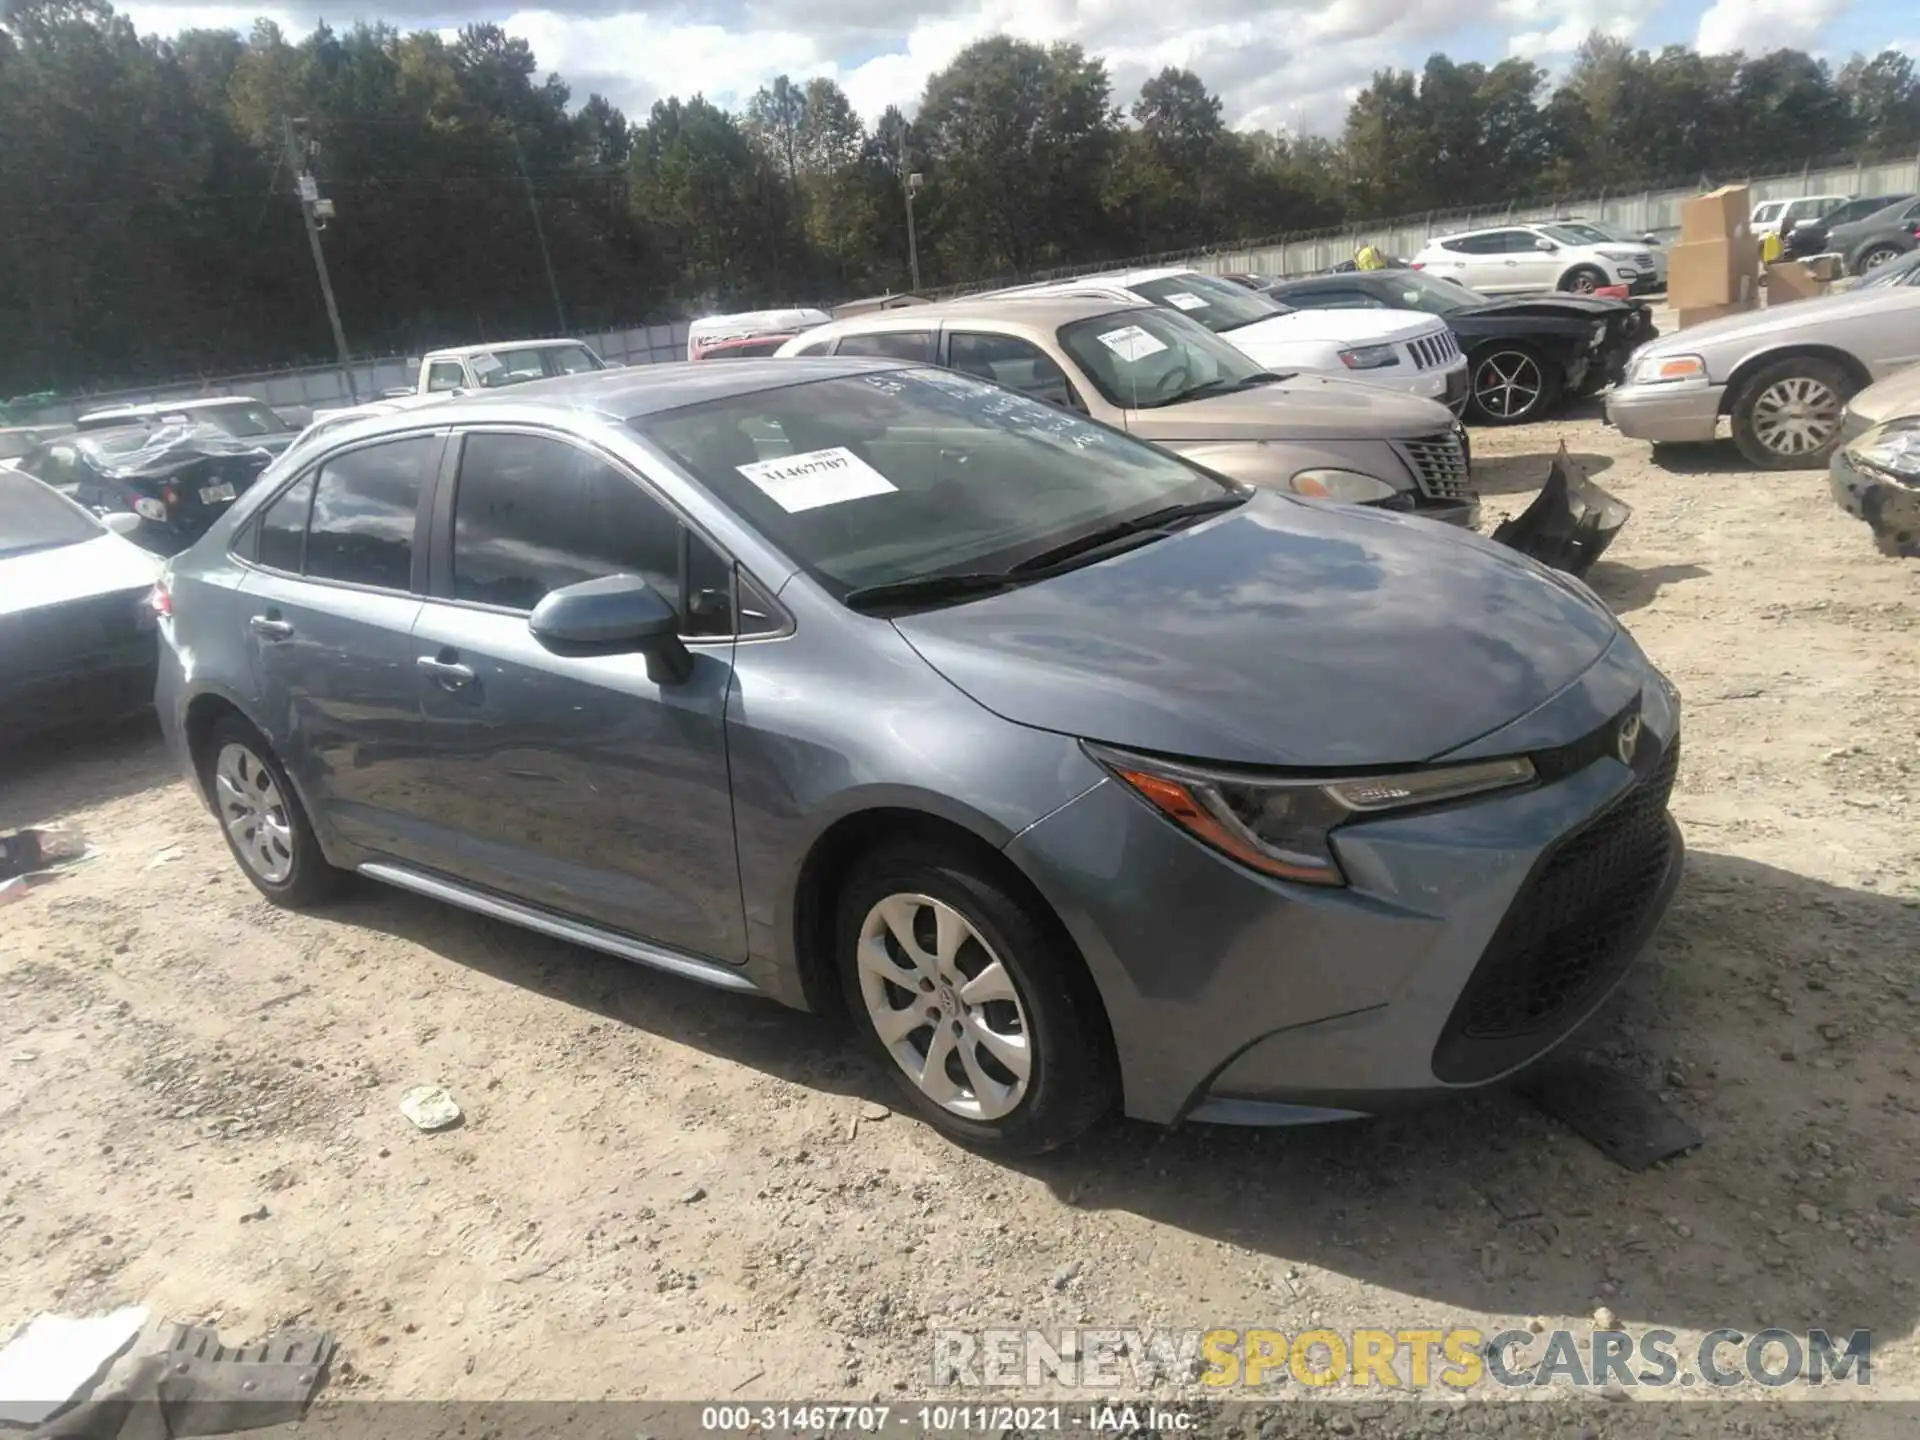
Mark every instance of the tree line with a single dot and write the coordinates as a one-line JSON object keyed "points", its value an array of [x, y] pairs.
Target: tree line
{"points": [[151, 228]]}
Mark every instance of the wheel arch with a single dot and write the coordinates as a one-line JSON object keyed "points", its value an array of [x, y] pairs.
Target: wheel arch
{"points": [[841, 845], [1753, 364]]}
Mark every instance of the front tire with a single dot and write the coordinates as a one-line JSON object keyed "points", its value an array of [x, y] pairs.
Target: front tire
{"points": [[261, 817], [972, 1001], [1787, 415], [1583, 280], [1512, 383], [1875, 256]]}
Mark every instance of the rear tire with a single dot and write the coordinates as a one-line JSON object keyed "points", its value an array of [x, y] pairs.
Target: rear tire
{"points": [[1787, 415], [261, 817], [1022, 1065], [1583, 280], [1511, 383]]}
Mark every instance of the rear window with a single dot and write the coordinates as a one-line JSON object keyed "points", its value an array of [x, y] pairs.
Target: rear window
{"points": [[33, 518]]}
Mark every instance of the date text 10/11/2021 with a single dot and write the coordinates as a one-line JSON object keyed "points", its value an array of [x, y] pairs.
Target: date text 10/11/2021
{"points": [[940, 1419]]}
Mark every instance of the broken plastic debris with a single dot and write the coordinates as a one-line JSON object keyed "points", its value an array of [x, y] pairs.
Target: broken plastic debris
{"points": [[164, 856], [35, 852], [430, 1107], [53, 1357]]}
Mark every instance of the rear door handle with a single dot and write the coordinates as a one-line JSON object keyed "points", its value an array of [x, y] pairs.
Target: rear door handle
{"points": [[268, 628], [447, 673]]}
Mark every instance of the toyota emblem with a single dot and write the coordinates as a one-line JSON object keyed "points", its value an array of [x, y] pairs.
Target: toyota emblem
{"points": [[1628, 740]]}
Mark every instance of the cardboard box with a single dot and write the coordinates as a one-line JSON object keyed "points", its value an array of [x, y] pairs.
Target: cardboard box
{"points": [[1826, 267], [1702, 273], [1793, 280], [1721, 214], [1690, 318]]}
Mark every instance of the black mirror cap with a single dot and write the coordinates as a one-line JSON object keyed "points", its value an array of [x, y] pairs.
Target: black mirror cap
{"points": [[615, 612]]}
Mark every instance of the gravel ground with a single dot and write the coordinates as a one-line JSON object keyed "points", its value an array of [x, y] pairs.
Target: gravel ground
{"points": [[662, 1192]]}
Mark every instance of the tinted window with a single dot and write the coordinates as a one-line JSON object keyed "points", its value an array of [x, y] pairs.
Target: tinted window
{"points": [[445, 375], [283, 529], [572, 360], [363, 514], [1220, 305], [1337, 300], [895, 345], [709, 590], [1012, 362], [818, 347], [245, 418], [533, 514], [1472, 245]]}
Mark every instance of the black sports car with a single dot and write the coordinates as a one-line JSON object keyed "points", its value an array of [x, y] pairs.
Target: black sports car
{"points": [[1523, 353]]}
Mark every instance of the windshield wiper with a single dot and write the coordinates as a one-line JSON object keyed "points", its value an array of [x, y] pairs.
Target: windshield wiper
{"points": [[1141, 529], [931, 587], [1224, 386]]}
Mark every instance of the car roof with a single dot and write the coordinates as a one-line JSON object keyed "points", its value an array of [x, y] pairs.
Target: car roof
{"points": [[1035, 311], [150, 407], [457, 352]]}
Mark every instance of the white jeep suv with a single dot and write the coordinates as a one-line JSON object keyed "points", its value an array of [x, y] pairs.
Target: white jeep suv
{"points": [[1515, 259], [1405, 350]]}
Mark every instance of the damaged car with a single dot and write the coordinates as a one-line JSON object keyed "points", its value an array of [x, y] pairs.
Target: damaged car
{"points": [[1077, 778], [176, 479], [1524, 353], [1875, 471]]}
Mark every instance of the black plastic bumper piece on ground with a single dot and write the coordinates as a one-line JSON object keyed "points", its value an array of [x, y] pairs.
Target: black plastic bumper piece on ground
{"points": [[1569, 525]]}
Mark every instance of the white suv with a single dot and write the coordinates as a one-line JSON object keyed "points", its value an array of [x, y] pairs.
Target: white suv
{"points": [[1771, 216], [1405, 350], [1514, 259]]}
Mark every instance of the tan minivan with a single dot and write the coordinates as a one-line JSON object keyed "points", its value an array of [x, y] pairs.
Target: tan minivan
{"points": [[1156, 374]]}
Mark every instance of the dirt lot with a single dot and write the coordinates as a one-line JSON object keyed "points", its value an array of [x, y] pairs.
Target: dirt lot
{"points": [[661, 1191]]}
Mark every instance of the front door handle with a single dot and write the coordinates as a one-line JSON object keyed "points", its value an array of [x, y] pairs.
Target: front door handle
{"points": [[267, 627], [448, 673]]}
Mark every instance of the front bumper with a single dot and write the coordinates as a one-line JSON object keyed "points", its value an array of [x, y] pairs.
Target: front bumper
{"points": [[1890, 508], [1666, 414], [1260, 1002]]}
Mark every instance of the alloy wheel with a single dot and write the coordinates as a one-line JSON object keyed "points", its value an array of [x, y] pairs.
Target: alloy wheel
{"points": [[1507, 384], [1584, 283], [1796, 416], [254, 812], [943, 1005], [1874, 259]]}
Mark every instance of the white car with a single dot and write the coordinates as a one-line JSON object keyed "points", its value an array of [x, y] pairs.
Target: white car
{"points": [[1404, 350], [1780, 216], [1599, 232], [1518, 259]]}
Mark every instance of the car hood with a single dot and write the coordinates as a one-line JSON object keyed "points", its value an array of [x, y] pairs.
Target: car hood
{"points": [[1301, 407], [99, 566], [1285, 633], [1894, 398], [1340, 327], [1585, 309]]}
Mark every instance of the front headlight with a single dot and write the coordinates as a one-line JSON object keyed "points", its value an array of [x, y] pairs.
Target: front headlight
{"points": [[1346, 485], [1284, 827], [1621, 254], [1369, 357], [1668, 369], [1894, 452]]}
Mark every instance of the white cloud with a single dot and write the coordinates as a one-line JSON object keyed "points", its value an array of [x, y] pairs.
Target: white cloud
{"points": [[1760, 25]]}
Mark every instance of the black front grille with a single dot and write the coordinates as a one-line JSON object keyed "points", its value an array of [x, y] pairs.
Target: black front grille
{"points": [[1439, 464], [1570, 933]]}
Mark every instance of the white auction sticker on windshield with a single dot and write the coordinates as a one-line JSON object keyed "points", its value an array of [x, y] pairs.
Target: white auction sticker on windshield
{"points": [[1132, 343], [819, 477], [1181, 300]]}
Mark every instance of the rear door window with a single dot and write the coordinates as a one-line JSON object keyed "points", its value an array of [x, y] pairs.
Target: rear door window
{"points": [[1015, 363], [282, 541], [891, 345], [364, 507]]}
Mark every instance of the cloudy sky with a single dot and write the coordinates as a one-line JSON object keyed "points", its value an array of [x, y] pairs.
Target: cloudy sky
{"points": [[1275, 63]]}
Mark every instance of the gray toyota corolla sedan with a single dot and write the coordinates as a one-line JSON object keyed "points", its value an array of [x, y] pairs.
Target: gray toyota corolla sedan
{"points": [[1078, 775]]}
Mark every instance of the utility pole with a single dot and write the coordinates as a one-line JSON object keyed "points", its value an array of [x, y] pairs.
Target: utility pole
{"points": [[913, 180], [316, 212], [539, 233]]}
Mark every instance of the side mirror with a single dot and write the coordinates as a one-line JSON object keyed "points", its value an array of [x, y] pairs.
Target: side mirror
{"points": [[121, 522], [615, 615], [1544, 244]]}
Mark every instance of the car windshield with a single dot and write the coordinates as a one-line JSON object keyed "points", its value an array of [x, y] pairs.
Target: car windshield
{"points": [[248, 417], [1904, 271], [33, 517], [903, 475], [1220, 305], [1415, 291], [1145, 359]]}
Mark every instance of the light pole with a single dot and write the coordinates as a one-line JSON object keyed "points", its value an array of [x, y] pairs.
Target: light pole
{"points": [[913, 182], [316, 212]]}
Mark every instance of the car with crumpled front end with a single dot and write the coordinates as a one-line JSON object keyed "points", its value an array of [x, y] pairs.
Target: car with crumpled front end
{"points": [[1078, 777], [1781, 376], [1162, 377], [1875, 471]]}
